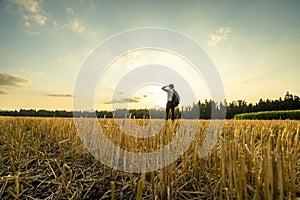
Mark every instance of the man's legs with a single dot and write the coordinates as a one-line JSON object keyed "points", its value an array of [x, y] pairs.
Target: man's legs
{"points": [[172, 111], [168, 107]]}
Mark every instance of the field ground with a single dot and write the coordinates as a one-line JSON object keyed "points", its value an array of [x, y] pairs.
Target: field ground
{"points": [[44, 158]]}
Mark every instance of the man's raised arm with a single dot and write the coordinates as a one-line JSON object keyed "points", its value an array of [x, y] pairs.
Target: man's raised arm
{"points": [[164, 88]]}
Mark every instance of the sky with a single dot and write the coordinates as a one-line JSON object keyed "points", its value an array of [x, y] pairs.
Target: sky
{"points": [[254, 46]]}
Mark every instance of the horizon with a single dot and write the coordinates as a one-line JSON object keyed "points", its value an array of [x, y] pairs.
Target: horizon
{"points": [[253, 45], [153, 108]]}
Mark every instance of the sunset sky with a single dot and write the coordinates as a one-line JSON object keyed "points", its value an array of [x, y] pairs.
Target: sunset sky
{"points": [[254, 45]]}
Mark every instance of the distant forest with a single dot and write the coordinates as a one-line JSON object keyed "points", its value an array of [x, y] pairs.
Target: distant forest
{"points": [[200, 110]]}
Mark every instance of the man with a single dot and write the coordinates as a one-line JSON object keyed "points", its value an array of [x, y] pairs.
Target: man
{"points": [[170, 90]]}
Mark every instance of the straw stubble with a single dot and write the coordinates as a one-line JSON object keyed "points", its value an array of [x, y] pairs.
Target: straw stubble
{"points": [[44, 158]]}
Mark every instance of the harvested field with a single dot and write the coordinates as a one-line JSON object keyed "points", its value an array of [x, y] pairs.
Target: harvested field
{"points": [[44, 158]]}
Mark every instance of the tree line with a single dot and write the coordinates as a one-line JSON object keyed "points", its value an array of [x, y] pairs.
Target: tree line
{"points": [[200, 110]]}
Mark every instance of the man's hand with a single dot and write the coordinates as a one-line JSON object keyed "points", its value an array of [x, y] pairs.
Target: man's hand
{"points": [[164, 88]]}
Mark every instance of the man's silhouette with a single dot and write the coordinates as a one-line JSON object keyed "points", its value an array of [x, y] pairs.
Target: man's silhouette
{"points": [[170, 90]]}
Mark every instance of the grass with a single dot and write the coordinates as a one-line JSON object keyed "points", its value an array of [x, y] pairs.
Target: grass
{"points": [[286, 114], [44, 158]]}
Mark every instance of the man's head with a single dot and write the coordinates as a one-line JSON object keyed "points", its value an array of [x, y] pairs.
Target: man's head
{"points": [[171, 86]]}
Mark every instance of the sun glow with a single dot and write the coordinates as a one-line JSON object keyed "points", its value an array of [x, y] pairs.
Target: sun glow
{"points": [[134, 80], [148, 96]]}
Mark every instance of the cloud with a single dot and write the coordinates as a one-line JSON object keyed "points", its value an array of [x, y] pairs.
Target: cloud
{"points": [[9, 81], [30, 12], [70, 11], [125, 100], [31, 6], [133, 100], [40, 19], [76, 25], [218, 36], [59, 95]]}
